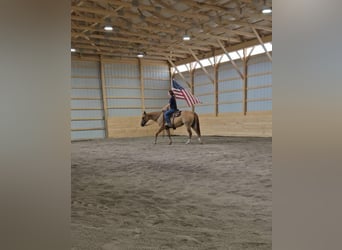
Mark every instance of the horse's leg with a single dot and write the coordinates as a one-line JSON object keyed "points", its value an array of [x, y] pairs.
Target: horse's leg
{"points": [[188, 128], [196, 128], [169, 135], [198, 135], [200, 140], [158, 132]]}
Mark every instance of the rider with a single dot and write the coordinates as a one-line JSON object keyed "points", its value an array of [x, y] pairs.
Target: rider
{"points": [[170, 108]]}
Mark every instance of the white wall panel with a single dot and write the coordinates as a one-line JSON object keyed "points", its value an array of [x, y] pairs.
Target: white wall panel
{"points": [[96, 104], [231, 107], [205, 109], [78, 114], [254, 81], [85, 82], [230, 85], [260, 93], [117, 102], [259, 84], [259, 106], [230, 88], [91, 134], [158, 93], [123, 92], [87, 124], [124, 112], [78, 93], [122, 82], [152, 83], [128, 70], [85, 85], [156, 103], [230, 97]]}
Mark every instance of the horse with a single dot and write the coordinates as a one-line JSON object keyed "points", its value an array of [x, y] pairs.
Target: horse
{"points": [[188, 118]]}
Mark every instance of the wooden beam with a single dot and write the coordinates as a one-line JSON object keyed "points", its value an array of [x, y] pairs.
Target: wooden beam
{"points": [[203, 68], [192, 79], [85, 129], [262, 43], [170, 10], [250, 53], [107, 48], [104, 96], [118, 55], [223, 36], [230, 59], [238, 32], [256, 26], [87, 119], [114, 38], [142, 86], [204, 5], [245, 82], [180, 73], [189, 46], [216, 67]]}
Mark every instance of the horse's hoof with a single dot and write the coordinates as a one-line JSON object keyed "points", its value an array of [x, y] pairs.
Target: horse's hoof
{"points": [[188, 142]]}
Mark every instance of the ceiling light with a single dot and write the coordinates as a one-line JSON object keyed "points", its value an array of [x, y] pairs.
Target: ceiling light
{"points": [[266, 11], [108, 28], [186, 37], [73, 50], [140, 55]]}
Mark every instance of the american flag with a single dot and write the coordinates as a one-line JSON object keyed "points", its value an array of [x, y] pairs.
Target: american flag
{"points": [[182, 93]]}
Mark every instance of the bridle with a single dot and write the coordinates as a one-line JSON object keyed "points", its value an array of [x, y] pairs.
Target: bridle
{"points": [[145, 122]]}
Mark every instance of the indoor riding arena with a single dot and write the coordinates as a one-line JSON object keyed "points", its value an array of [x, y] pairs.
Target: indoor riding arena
{"points": [[131, 190]]}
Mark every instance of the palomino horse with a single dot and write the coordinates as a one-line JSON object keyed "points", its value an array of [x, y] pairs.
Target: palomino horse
{"points": [[187, 118]]}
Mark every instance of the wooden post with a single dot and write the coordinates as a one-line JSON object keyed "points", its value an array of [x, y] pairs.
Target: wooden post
{"points": [[104, 96], [142, 86], [192, 79], [245, 81], [216, 66]]}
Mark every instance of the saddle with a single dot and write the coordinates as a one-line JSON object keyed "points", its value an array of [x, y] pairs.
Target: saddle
{"points": [[173, 116], [176, 114]]}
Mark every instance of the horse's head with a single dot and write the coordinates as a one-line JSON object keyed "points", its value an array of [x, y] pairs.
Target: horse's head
{"points": [[144, 119]]}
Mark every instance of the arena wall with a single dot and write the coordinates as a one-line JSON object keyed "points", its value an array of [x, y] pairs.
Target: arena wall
{"points": [[109, 96]]}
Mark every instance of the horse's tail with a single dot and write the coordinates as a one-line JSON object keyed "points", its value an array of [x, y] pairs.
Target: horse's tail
{"points": [[195, 124]]}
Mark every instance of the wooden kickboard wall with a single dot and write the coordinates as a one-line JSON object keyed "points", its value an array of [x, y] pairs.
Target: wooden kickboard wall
{"points": [[227, 124]]}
